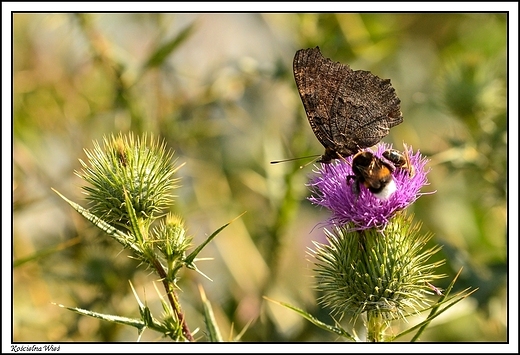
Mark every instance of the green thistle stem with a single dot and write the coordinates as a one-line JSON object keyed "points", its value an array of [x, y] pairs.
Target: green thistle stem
{"points": [[376, 327], [172, 298]]}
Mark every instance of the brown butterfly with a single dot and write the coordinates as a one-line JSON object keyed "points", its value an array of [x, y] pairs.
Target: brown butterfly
{"points": [[348, 110]]}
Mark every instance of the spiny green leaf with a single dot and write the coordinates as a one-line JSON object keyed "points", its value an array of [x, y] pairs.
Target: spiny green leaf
{"points": [[136, 323], [440, 307], [209, 318], [104, 226], [330, 328], [134, 222], [190, 258]]}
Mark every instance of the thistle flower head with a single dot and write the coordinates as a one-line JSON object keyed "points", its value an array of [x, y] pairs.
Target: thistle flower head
{"points": [[140, 169], [371, 271], [172, 241], [335, 189]]}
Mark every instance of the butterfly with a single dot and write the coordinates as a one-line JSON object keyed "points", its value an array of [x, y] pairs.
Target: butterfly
{"points": [[348, 110]]}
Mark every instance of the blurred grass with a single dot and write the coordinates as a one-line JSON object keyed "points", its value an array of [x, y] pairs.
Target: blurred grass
{"points": [[219, 89]]}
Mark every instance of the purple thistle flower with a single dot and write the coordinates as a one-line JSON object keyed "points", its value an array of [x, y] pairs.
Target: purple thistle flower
{"points": [[333, 189]]}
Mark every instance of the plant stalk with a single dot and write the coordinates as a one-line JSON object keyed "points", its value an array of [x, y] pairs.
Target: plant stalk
{"points": [[376, 327], [174, 301]]}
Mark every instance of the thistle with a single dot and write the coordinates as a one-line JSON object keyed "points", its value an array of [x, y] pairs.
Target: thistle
{"points": [[126, 167], [331, 188], [374, 264], [130, 186]]}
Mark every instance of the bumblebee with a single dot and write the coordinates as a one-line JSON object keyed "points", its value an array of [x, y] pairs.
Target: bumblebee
{"points": [[400, 160], [374, 173]]}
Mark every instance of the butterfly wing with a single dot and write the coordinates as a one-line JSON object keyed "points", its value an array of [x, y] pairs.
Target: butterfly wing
{"points": [[316, 80], [364, 109], [347, 110]]}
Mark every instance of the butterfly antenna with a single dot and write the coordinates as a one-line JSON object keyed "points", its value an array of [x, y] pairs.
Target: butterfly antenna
{"points": [[293, 159], [312, 161]]}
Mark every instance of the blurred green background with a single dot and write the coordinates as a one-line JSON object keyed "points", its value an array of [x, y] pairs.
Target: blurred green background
{"points": [[219, 89]]}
